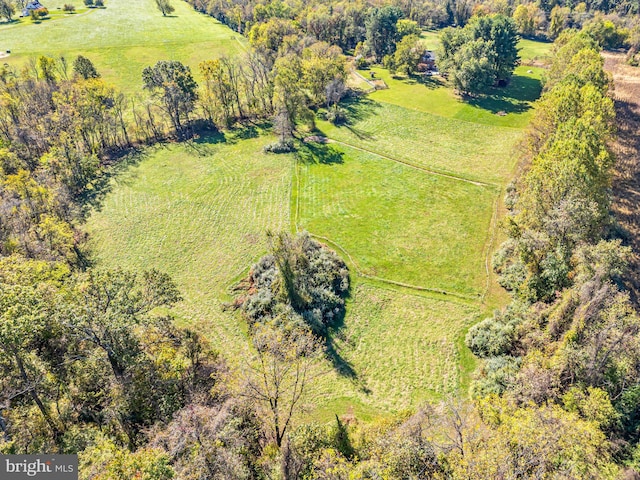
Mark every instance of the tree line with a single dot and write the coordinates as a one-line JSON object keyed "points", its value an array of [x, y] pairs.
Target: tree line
{"points": [[569, 338], [369, 27]]}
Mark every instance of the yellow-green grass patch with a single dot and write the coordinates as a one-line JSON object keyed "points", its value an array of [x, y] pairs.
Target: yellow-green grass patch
{"points": [[397, 222], [198, 212], [123, 38], [466, 149]]}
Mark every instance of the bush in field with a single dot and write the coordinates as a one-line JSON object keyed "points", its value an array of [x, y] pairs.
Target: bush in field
{"points": [[301, 280], [336, 115], [68, 8], [281, 146]]}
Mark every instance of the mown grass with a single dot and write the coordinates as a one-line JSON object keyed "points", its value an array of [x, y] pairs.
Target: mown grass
{"points": [[397, 222], [504, 107], [533, 50], [403, 348], [470, 150], [199, 212], [122, 38]]}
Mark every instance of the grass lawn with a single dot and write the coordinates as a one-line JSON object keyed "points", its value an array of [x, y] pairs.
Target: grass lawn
{"points": [[404, 349], [470, 150], [532, 50], [431, 95], [198, 212], [431, 39], [122, 38], [397, 222]]}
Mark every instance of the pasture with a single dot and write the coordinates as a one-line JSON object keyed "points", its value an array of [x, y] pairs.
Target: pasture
{"points": [[397, 222], [465, 149], [122, 38], [407, 192], [500, 107], [199, 212]]}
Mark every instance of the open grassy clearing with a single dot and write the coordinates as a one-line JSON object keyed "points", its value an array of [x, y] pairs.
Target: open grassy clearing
{"points": [[470, 150], [431, 39], [198, 212], [123, 38], [534, 51], [431, 95], [403, 349], [397, 222]]}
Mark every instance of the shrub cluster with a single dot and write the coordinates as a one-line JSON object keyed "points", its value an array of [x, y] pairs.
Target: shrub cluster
{"points": [[301, 281]]}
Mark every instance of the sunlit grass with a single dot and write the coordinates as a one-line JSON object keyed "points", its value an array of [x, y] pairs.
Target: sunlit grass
{"points": [[122, 38]]}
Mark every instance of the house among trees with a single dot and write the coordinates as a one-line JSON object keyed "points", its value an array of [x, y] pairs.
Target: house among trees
{"points": [[428, 62], [429, 58], [34, 5]]}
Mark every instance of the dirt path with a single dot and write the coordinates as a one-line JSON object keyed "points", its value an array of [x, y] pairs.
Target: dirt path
{"points": [[626, 181]]}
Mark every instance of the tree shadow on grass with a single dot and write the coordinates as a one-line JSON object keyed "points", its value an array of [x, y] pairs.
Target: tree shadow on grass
{"points": [[429, 81], [342, 366], [312, 152], [93, 199], [514, 98], [202, 145], [358, 109]]}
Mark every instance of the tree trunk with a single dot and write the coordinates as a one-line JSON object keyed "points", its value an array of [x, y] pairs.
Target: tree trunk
{"points": [[36, 398]]}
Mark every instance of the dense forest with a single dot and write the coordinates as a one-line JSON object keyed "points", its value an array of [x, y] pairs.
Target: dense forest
{"points": [[93, 362]]}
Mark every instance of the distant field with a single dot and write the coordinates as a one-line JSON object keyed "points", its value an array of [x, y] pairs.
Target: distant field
{"points": [[466, 149], [531, 50], [502, 107], [397, 222], [122, 38]]}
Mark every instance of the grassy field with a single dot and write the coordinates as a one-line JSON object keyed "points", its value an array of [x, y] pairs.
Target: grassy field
{"points": [[403, 348], [398, 222], [431, 95], [199, 212], [534, 51], [406, 192], [122, 38], [466, 149]]}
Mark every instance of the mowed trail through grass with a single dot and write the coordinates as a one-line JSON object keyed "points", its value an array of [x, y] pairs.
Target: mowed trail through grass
{"points": [[398, 223], [123, 38], [199, 212], [469, 150]]}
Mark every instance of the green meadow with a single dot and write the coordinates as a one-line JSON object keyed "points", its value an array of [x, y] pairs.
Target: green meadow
{"points": [[121, 39], [406, 192], [398, 222]]}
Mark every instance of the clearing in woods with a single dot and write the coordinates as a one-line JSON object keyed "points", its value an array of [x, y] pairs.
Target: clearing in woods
{"points": [[407, 192]]}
